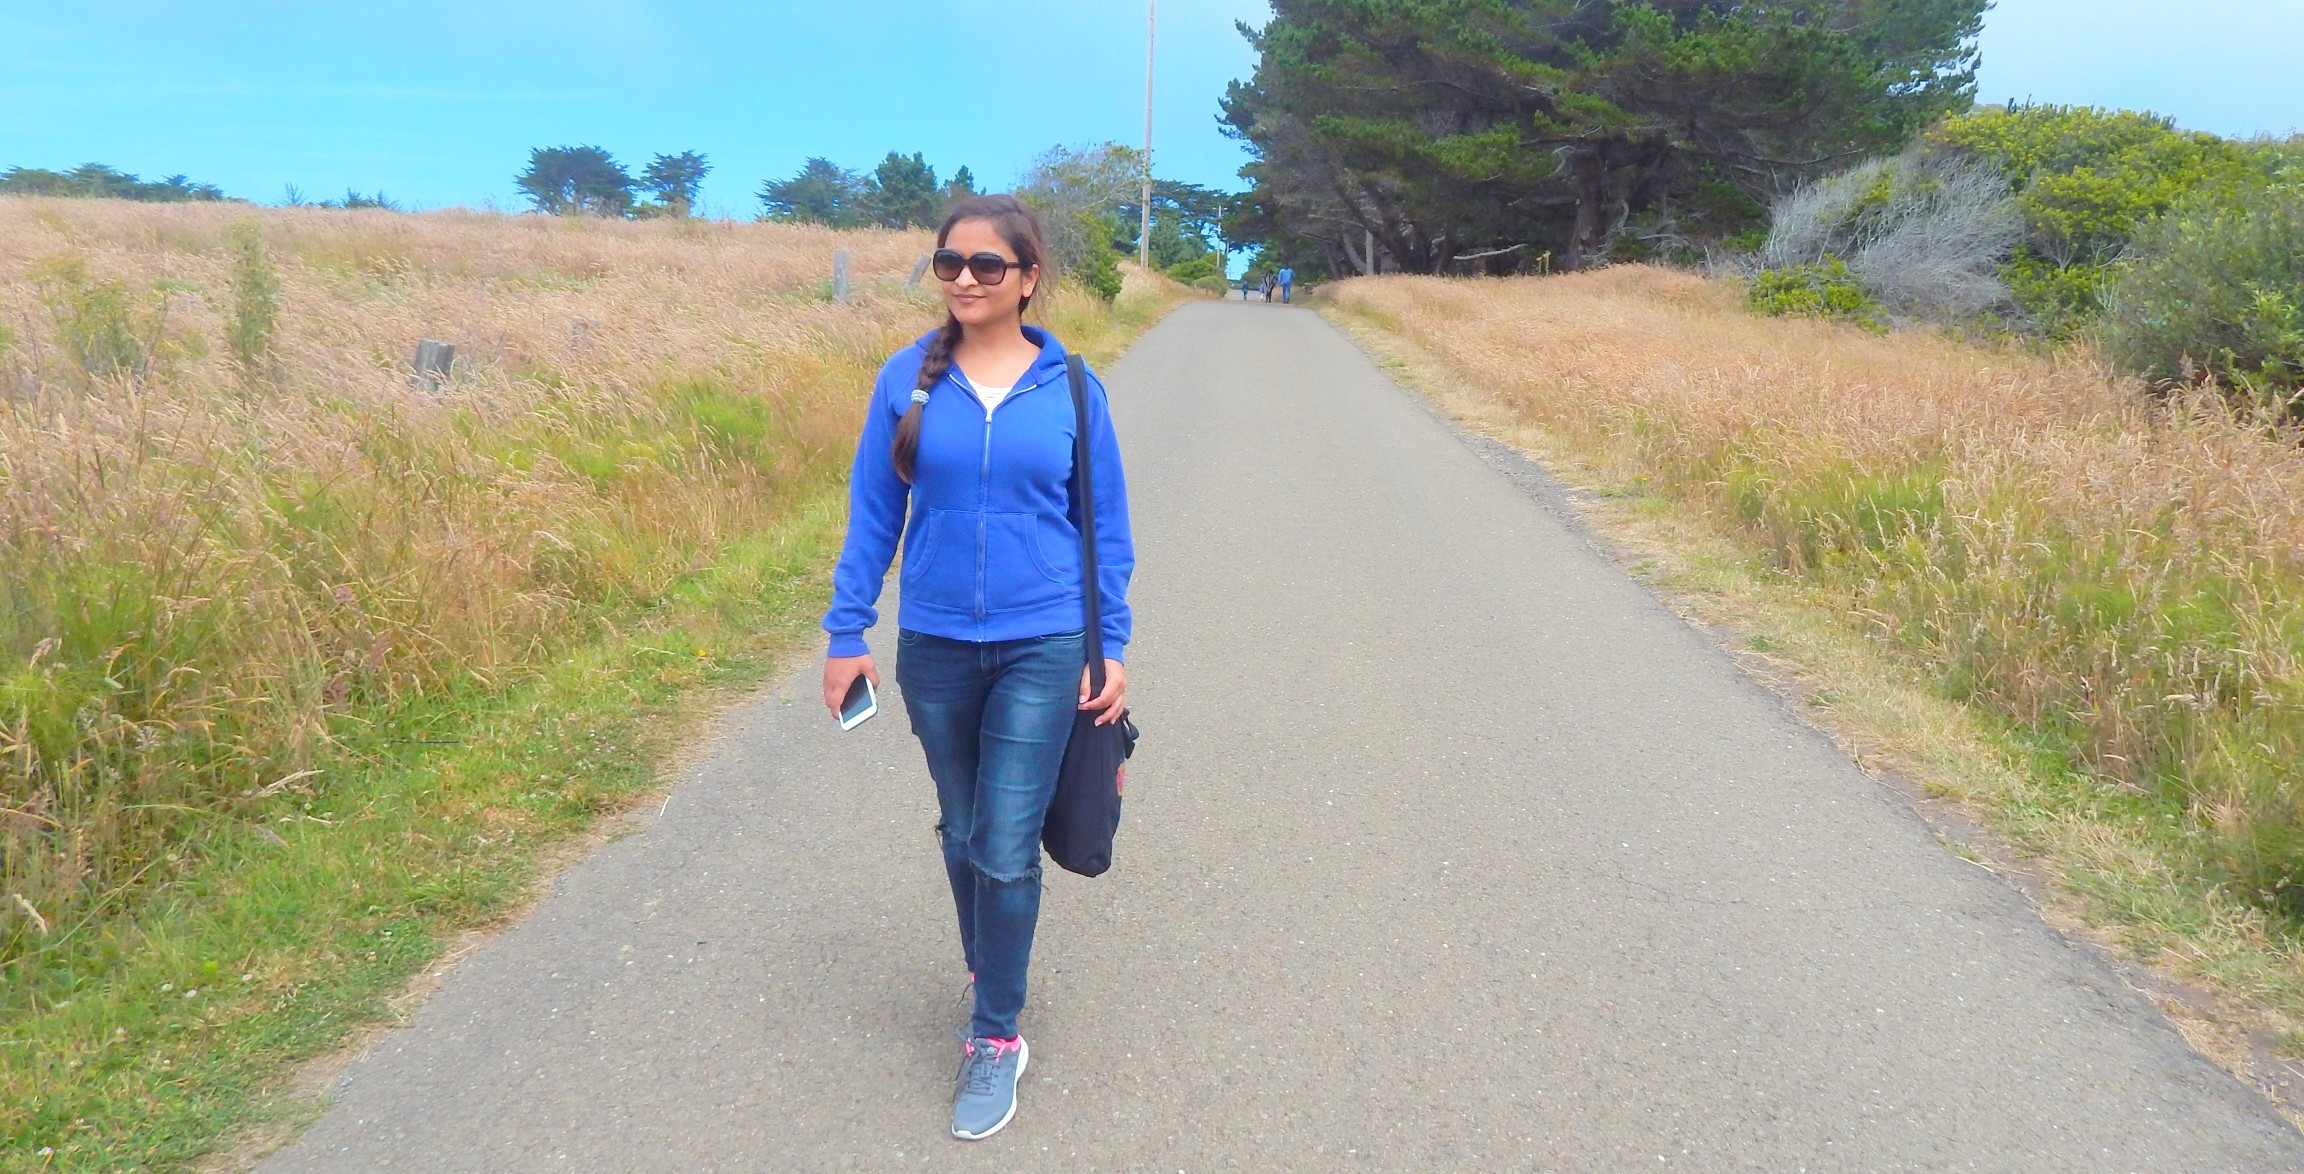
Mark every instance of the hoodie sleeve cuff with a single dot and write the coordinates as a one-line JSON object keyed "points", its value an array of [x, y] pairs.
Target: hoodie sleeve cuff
{"points": [[848, 644]]}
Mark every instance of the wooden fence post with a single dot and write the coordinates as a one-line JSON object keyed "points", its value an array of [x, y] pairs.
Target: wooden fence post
{"points": [[435, 362], [839, 275], [919, 267]]}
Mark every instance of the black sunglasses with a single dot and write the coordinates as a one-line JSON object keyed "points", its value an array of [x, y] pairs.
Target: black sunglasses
{"points": [[989, 268]]}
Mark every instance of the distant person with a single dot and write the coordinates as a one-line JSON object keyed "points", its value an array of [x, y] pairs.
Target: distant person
{"points": [[1244, 284], [1287, 278], [989, 642], [1267, 287]]}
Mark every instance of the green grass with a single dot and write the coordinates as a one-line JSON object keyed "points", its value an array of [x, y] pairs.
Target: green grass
{"points": [[139, 1043]]}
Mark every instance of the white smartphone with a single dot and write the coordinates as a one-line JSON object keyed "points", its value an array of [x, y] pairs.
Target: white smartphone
{"points": [[860, 704]]}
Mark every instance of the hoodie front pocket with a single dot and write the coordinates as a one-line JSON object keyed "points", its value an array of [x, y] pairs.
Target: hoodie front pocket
{"points": [[938, 570], [1017, 572], [1056, 550]]}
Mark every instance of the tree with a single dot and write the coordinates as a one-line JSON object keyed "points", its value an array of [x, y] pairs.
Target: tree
{"points": [[98, 181], [576, 180], [1420, 133], [1298, 211], [1187, 221], [962, 186], [823, 192], [901, 193], [675, 181], [1078, 192]]}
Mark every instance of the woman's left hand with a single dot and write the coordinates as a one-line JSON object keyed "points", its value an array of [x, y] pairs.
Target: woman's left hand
{"points": [[1113, 701]]}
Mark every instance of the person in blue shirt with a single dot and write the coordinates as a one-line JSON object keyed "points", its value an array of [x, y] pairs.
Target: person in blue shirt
{"points": [[1287, 278], [966, 458]]}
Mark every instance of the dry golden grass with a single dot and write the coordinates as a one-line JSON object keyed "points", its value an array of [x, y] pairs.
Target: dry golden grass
{"points": [[305, 671], [2115, 585], [215, 566]]}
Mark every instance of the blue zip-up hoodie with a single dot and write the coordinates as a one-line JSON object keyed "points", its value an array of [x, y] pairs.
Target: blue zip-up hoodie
{"points": [[991, 551]]}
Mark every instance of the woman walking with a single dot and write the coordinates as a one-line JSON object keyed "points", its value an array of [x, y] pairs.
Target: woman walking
{"points": [[967, 456]]}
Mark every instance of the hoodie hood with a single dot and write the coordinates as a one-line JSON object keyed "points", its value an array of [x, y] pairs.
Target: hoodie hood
{"points": [[1048, 368]]}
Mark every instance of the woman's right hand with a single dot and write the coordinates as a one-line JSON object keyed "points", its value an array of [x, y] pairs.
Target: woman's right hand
{"points": [[840, 673]]}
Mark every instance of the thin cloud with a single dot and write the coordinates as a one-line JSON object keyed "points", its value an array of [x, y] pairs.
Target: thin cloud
{"points": [[380, 93], [17, 31]]}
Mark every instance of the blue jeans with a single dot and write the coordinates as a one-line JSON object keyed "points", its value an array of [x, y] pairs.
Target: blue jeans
{"points": [[994, 719]]}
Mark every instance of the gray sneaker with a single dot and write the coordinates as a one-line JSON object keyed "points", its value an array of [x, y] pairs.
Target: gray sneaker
{"points": [[986, 1097]]}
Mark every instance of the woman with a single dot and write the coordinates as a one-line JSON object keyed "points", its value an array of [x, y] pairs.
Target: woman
{"points": [[967, 454]]}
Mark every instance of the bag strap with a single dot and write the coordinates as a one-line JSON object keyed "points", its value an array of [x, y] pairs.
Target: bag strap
{"points": [[1084, 500]]}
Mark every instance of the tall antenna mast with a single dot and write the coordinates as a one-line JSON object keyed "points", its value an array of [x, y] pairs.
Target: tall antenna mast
{"points": [[1144, 230]]}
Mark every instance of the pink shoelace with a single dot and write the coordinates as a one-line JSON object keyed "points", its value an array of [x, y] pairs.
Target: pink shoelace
{"points": [[976, 1068], [1000, 1047]]}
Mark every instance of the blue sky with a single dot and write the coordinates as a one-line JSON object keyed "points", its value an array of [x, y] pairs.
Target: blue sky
{"points": [[436, 102], [2228, 66]]}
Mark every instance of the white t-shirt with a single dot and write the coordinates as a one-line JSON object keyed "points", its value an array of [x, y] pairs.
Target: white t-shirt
{"points": [[992, 396]]}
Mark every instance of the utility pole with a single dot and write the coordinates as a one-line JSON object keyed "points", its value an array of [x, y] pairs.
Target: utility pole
{"points": [[1144, 230]]}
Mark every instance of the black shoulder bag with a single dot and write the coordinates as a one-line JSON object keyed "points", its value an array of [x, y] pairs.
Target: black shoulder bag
{"points": [[1086, 810]]}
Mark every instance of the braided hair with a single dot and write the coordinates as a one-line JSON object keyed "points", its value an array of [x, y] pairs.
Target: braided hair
{"points": [[1018, 225]]}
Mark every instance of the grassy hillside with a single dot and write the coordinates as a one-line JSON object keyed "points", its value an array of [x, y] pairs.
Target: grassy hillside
{"points": [[2110, 586], [302, 665]]}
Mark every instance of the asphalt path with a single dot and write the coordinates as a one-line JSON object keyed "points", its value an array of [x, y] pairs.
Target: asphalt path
{"points": [[1448, 847]]}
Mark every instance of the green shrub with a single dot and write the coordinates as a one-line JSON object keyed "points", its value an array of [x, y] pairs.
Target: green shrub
{"points": [[255, 301], [1097, 268], [108, 330], [1192, 269], [2215, 291], [1824, 289], [2087, 179]]}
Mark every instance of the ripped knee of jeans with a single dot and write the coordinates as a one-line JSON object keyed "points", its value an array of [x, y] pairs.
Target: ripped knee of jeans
{"points": [[989, 876]]}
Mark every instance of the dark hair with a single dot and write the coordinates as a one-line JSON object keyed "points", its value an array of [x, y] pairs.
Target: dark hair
{"points": [[1018, 225]]}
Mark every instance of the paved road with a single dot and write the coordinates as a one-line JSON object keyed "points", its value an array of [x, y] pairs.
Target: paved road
{"points": [[1448, 848]]}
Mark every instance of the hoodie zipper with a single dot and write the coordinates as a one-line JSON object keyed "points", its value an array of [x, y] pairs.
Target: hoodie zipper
{"points": [[984, 490]]}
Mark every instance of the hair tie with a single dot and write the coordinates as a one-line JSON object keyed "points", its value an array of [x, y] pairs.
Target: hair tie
{"points": [[920, 395]]}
